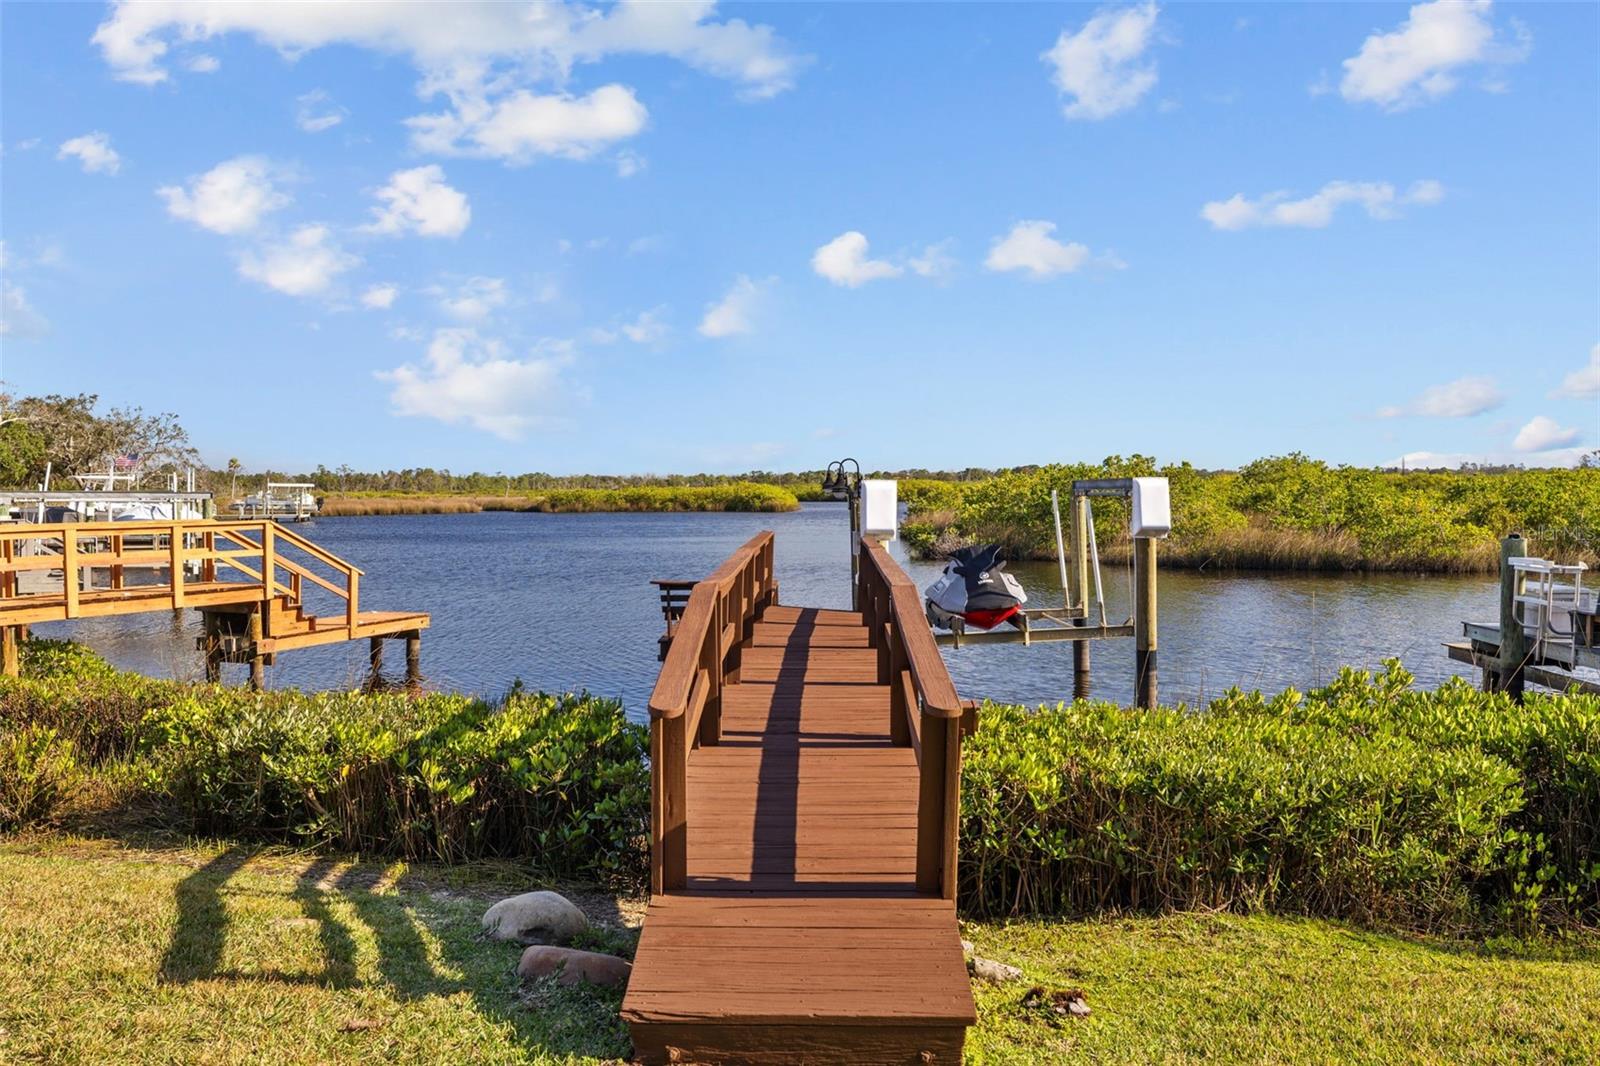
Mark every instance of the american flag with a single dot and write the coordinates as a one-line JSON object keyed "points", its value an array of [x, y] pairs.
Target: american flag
{"points": [[125, 462]]}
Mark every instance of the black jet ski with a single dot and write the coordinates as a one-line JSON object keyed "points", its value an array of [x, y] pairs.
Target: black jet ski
{"points": [[974, 590]]}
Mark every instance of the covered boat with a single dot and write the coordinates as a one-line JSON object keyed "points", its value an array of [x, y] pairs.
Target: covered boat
{"points": [[974, 590]]}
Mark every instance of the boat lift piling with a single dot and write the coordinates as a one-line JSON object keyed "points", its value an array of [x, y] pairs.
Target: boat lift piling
{"points": [[1548, 629], [1151, 520]]}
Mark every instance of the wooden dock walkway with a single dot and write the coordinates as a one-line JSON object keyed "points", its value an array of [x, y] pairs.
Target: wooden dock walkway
{"points": [[251, 580], [804, 801]]}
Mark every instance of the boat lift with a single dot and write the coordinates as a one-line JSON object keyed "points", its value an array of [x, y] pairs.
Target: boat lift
{"points": [[1151, 521]]}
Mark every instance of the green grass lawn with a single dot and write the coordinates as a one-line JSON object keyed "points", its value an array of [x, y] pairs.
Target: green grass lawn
{"points": [[211, 953]]}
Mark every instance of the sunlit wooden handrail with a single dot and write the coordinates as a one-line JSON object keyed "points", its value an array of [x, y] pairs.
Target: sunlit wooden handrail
{"points": [[61, 546], [686, 704], [924, 710]]}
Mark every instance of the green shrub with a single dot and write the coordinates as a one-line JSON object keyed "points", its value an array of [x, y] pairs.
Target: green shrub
{"points": [[38, 775], [1282, 512], [1366, 799], [557, 780]]}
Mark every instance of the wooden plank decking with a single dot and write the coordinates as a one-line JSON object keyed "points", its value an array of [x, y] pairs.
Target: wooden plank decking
{"points": [[799, 933]]}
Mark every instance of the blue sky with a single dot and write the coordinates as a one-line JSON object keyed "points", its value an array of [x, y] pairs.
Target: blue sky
{"points": [[693, 237]]}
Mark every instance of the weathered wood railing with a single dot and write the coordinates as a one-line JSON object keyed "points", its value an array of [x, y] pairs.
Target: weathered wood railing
{"points": [[686, 704], [924, 710], [252, 548]]}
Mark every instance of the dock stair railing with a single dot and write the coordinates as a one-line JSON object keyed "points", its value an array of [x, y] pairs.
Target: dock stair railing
{"points": [[686, 704], [924, 710], [59, 571]]}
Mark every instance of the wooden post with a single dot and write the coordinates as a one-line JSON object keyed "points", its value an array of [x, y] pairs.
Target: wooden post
{"points": [[669, 779], [258, 672], [69, 570], [938, 805], [175, 564], [414, 661], [375, 662], [899, 727], [1144, 621], [711, 661], [352, 612], [1079, 574], [10, 651], [1513, 638]]}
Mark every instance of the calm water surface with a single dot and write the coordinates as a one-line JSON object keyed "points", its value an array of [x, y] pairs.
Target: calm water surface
{"points": [[563, 602]]}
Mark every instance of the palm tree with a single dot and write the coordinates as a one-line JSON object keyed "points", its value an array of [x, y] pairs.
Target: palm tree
{"points": [[234, 466]]}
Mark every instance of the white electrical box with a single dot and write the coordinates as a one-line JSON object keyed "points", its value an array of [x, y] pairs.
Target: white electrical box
{"points": [[880, 508], [1152, 507]]}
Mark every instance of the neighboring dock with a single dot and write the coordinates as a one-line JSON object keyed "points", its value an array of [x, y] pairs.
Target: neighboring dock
{"points": [[1549, 627], [805, 794], [251, 580]]}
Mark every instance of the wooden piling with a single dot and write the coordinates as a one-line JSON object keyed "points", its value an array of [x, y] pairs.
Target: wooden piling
{"points": [[375, 663], [258, 664], [1513, 638], [1144, 621], [11, 651], [1080, 594], [414, 661]]}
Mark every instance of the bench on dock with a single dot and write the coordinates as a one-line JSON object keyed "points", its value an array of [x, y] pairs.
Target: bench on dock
{"points": [[674, 600], [804, 802]]}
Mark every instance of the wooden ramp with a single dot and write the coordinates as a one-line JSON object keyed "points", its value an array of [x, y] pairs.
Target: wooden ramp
{"points": [[803, 832]]}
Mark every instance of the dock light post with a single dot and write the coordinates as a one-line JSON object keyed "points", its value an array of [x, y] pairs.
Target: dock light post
{"points": [[842, 484]]}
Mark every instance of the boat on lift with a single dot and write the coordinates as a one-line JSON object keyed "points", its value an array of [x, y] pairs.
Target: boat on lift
{"points": [[975, 591]]}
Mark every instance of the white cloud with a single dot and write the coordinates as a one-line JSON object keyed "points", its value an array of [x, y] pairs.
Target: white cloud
{"points": [[379, 297], [467, 36], [1421, 60], [1098, 67], [483, 56], [93, 151], [654, 242], [474, 299], [735, 312], [844, 261], [648, 328], [1430, 460], [934, 261], [1583, 383], [1029, 247], [630, 163], [202, 64], [18, 319], [419, 201], [1378, 198], [304, 265], [471, 379], [1461, 398], [1541, 434], [231, 197], [523, 125], [315, 111]]}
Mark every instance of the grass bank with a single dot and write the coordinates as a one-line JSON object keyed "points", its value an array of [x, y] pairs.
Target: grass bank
{"points": [[738, 496], [1280, 513], [162, 952]]}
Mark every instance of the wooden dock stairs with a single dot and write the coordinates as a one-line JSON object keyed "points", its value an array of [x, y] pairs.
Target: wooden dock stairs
{"points": [[251, 579], [805, 796]]}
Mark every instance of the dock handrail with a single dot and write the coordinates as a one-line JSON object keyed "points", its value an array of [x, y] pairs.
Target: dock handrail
{"points": [[686, 704], [924, 709], [234, 544]]}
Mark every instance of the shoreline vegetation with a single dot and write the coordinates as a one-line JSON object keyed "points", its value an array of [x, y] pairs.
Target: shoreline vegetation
{"points": [[1279, 513], [734, 496]]}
